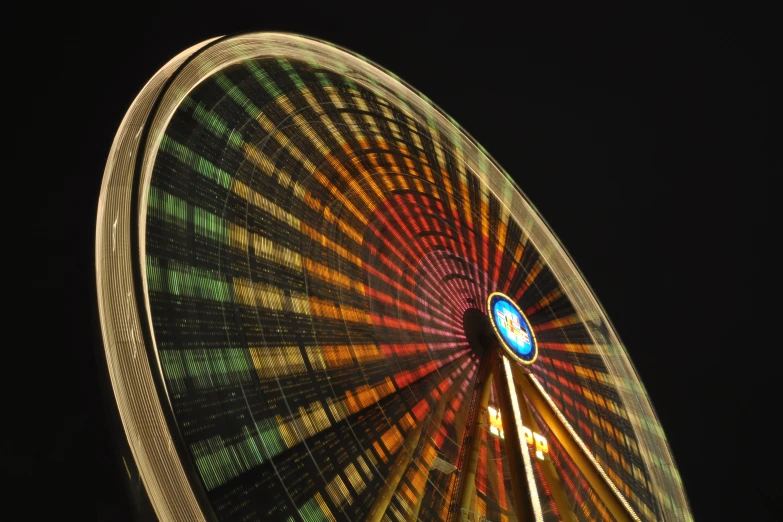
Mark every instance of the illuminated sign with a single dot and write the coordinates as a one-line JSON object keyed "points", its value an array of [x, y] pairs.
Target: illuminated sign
{"points": [[539, 441], [532, 438], [495, 424], [512, 328]]}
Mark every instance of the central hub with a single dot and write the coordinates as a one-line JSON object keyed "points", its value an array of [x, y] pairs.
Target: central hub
{"points": [[512, 328], [478, 330]]}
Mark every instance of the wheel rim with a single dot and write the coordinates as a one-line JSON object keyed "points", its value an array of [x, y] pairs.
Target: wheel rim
{"points": [[309, 232]]}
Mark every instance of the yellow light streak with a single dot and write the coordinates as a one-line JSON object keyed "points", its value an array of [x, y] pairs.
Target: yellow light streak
{"points": [[584, 449], [531, 481]]}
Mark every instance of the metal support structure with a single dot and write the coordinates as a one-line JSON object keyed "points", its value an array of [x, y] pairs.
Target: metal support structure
{"points": [[547, 467], [523, 506], [468, 479], [606, 491], [397, 470], [435, 421], [401, 464]]}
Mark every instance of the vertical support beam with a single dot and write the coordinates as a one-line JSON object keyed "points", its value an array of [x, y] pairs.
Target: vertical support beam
{"points": [[435, 422], [397, 470], [523, 506], [480, 417], [600, 483], [402, 462], [530, 478], [547, 467]]}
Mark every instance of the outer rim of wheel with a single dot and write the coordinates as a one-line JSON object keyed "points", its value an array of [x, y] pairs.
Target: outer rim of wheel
{"points": [[156, 123]]}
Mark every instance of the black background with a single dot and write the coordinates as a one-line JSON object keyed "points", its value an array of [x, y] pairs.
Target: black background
{"points": [[642, 136]]}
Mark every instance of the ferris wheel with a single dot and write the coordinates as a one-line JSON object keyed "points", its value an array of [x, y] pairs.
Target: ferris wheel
{"points": [[321, 299]]}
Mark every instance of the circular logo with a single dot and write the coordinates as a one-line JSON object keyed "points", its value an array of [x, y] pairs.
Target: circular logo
{"points": [[512, 328]]}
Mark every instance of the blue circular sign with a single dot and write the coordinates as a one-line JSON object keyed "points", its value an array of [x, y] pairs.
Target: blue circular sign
{"points": [[512, 328]]}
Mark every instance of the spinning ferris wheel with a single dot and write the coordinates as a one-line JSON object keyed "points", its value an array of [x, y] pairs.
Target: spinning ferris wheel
{"points": [[320, 299]]}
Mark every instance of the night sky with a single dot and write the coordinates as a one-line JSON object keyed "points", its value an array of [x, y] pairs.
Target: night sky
{"points": [[642, 137]]}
